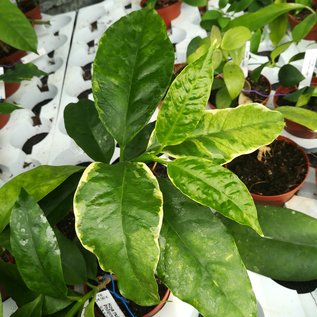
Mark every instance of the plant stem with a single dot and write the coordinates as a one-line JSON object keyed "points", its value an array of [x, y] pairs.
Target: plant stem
{"points": [[80, 303]]}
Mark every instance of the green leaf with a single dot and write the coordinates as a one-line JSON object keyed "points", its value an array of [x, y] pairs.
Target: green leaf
{"points": [[305, 117], [297, 57], [264, 16], [22, 36], [193, 45], [90, 309], [196, 3], [128, 86], [278, 28], [32, 309], [235, 38], [223, 99], [83, 125], [256, 73], [139, 144], [288, 249], [90, 259], [5, 239], [35, 248], [279, 50], [6, 108], [234, 79], [200, 51], [255, 41], [38, 182], [222, 135], [241, 5], [1, 306], [53, 305], [11, 279], [289, 75], [304, 27], [73, 262], [199, 259], [118, 211], [215, 187], [185, 102], [21, 72]]}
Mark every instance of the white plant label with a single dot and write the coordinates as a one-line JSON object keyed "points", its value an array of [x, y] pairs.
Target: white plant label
{"points": [[308, 67], [32, 56], [107, 305], [245, 61], [2, 90]]}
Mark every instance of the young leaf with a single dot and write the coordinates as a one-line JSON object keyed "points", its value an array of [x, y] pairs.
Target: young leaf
{"points": [[255, 41], [234, 79], [189, 231], [22, 36], [128, 86], [21, 72], [32, 309], [215, 187], [185, 101], [53, 305], [6, 108], [235, 38], [38, 182], [222, 135], [223, 99], [35, 248], [289, 75], [73, 262], [289, 242], [90, 309], [303, 28], [82, 124], [279, 50], [118, 210], [305, 117], [256, 20], [278, 28]]}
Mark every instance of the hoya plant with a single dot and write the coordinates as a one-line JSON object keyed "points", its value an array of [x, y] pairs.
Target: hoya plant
{"points": [[138, 224]]}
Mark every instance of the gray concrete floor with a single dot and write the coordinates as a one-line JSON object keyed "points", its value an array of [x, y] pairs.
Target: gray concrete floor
{"points": [[61, 6]]}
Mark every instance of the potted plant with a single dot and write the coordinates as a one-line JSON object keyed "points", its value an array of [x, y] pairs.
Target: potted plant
{"points": [[297, 105], [31, 8], [274, 173]]}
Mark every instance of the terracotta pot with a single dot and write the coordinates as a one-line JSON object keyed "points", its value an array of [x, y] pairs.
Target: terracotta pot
{"points": [[11, 88], [280, 200], [35, 13], [157, 308], [13, 58], [291, 126], [312, 35], [4, 118], [169, 13]]}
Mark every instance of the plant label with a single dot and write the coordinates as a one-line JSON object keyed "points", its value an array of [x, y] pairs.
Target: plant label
{"points": [[308, 67], [2, 91], [31, 57], [245, 61], [107, 305]]}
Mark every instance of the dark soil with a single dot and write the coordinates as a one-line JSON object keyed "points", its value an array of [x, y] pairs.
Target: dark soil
{"points": [[280, 170], [159, 170], [51, 54], [37, 111], [137, 310], [302, 14], [6, 50], [312, 159], [262, 85], [85, 94], [300, 287], [27, 5], [93, 26], [44, 86], [67, 226], [28, 145]]}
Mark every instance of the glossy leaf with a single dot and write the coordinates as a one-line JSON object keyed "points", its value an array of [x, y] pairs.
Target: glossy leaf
{"points": [[279, 50], [73, 262], [21, 72], [118, 210], [185, 101], [234, 79], [32, 309], [38, 182], [289, 75], [53, 305], [304, 27], [223, 99], [215, 187], [12, 281], [90, 309], [235, 37], [222, 135], [196, 3], [262, 17], [35, 248], [305, 117], [6, 108], [288, 249], [255, 41], [200, 51], [22, 36], [128, 86], [199, 260], [83, 125]]}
